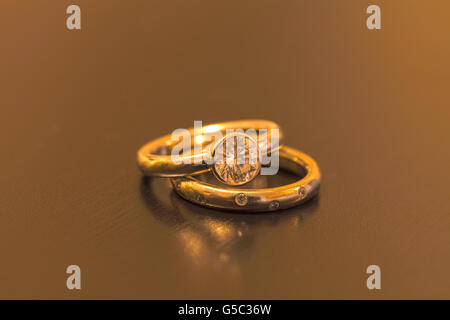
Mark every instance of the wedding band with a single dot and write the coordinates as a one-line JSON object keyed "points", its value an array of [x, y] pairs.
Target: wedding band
{"points": [[154, 158], [269, 199]]}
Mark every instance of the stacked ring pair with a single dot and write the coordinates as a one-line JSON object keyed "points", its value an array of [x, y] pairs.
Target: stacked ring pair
{"points": [[156, 158]]}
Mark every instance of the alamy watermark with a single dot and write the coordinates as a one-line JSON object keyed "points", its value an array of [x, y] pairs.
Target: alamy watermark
{"points": [[235, 146], [73, 21], [73, 282], [374, 280]]}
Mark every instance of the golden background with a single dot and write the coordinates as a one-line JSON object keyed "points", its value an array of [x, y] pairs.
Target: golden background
{"points": [[371, 107]]}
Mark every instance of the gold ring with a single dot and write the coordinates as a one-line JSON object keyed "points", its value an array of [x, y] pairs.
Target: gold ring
{"points": [[155, 158], [269, 199]]}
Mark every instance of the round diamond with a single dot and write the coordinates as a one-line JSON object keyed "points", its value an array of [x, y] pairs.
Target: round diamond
{"points": [[241, 199], [200, 198], [302, 192], [274, 205], [236, 159]]}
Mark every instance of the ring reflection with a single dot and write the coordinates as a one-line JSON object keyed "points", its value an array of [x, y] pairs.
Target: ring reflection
{"points": [[213, 237]]}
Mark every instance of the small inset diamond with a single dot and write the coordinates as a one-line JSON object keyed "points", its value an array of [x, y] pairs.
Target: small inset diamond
{"points": [[274, 205], [200, 198], [241, 199], [302, 192]]}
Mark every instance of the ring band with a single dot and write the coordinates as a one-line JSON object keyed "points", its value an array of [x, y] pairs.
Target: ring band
{"points": [[270, 199], [154, 158]]}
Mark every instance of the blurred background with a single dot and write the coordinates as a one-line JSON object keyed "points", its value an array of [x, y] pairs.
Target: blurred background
{"points": [[372, 107]]}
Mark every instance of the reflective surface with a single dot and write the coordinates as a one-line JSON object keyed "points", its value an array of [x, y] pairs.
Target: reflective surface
{"points": [[372, 107], [218, 239]]}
